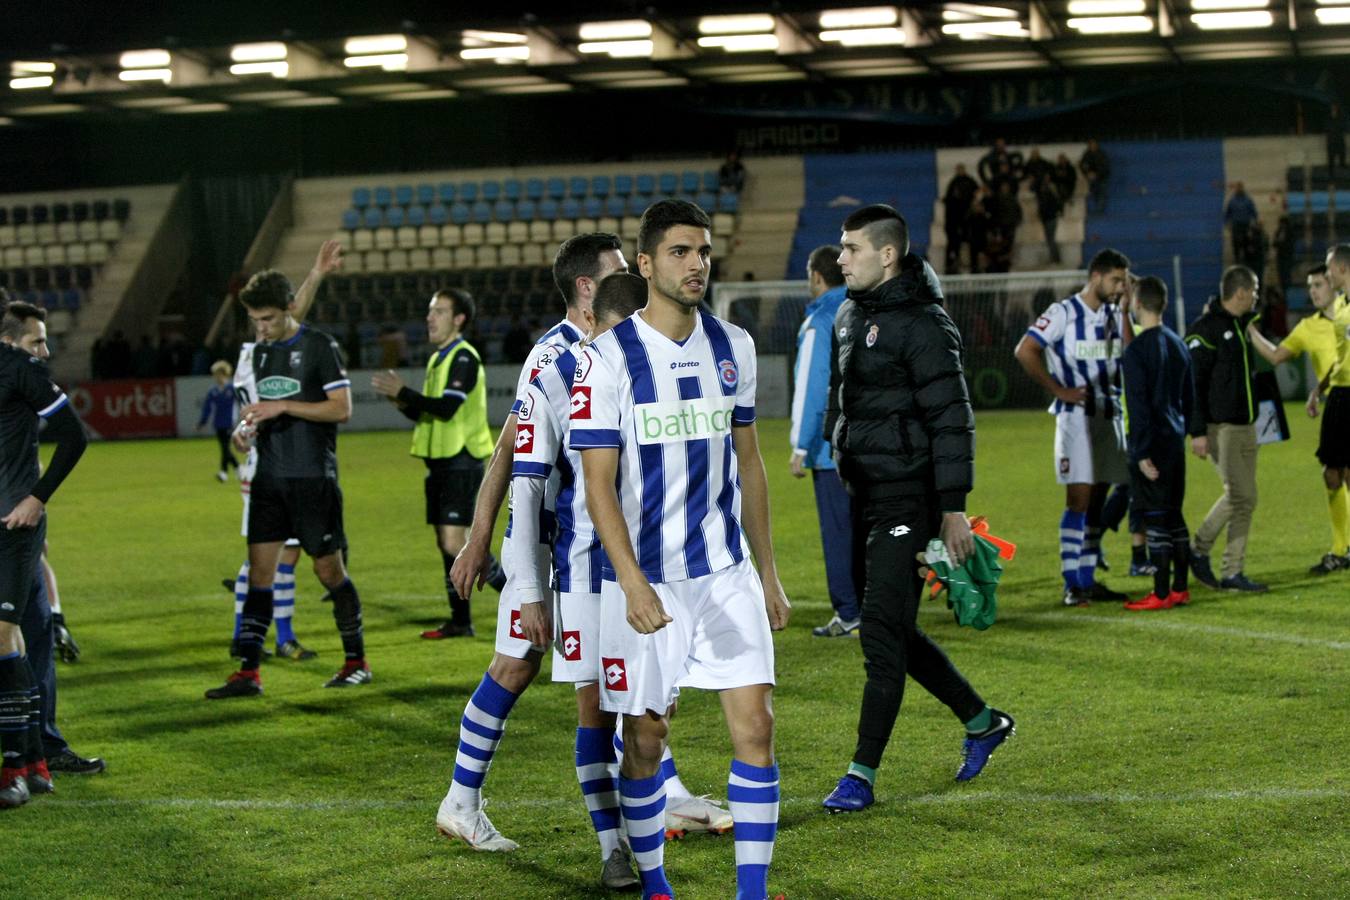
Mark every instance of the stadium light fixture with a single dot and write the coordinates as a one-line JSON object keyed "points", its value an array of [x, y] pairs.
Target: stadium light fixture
{"points": [[474, 37], [261, 52], [969, 31], [50, 109], [862, 17], [30, 82], [1246, 18], [750, 24], [515, 53], [144, 59], [297, 102], [390, 62], [965, 12], [151, 102], [191, 108], [741, 43], [1333, 15], [5, 120], [623, 30], [865, 37], [1219, 5], [164, 75], [20, 68], [277, 68], [1111, 24], [1105, 7], [375, 44], [433, 94], [618, 49]]}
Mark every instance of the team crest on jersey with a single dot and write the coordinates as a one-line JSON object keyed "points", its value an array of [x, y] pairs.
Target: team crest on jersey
{"points": [[581, 402], [583, 367], [871, 339], [1043, 322], [616, 673], [571, 645], [526, 409], [524, 438], [1064, 465], [516, 631], [277, 387], [726, 369], [295, 359]]}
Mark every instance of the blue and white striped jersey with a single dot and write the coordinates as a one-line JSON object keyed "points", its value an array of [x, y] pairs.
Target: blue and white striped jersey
{"points": [[542, 452], [1083, 349], [669, 409]]}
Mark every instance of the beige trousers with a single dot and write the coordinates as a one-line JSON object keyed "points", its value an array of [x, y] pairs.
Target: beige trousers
{"points": [[1233, 450]]}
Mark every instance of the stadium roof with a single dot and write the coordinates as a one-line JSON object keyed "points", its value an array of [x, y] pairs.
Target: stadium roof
{"points": [[66, 59]]}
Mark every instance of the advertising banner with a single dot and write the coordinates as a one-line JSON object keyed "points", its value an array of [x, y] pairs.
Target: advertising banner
{"points": [[132, 408]]}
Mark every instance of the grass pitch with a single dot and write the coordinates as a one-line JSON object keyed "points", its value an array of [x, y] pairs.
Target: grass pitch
{"points": [[1193, 752]]}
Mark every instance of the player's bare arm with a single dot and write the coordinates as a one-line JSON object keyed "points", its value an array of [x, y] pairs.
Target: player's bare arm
{"points": [[328, 261], [336, 408], [470, 568], [756, 520], [1028, 354], [1269, 352], [600, 466]]}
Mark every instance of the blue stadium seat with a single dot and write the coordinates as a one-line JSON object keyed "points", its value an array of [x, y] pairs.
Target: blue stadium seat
{"points": [[623, 185], [577, 186], [534, 189], [689, 182], [526, 210], [600, 186], [121, 209], [707, 200], [437, 214], [637, 204], [384, 196], [548, 209], [426, 194], [79, 211], [557, 188], [70, 299], [51, 299], [710, 181], [491, 191], [417, 216], [614, 207], [503, 211], [393, 217], [4, 215], [482, 212], [60, 213], [460, 213], [403, 195], [593, 207], [84, 277], [468, 191], [446, 192], [19, 215], [646, 185], [360, 198], [41, 214], [351, 219], [728, 202], [372, 217], [511, 189], [571, 208], [668, 183], [60, 275]]}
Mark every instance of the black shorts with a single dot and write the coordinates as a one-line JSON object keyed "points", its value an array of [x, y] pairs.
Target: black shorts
{"points": [[451, 489], [19, 552], [307, 509], [1164, 495], [1333, 450]]}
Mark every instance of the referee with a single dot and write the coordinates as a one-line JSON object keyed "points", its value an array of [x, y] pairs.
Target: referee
{"points": [[904, 437], [451, 437]]}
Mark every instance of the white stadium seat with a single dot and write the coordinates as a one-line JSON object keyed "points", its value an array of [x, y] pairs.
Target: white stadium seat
{"points": [[428, 236], [452, 235], [518, 232], [419, 259], [628, 227], [510, 255], [13, 257], [473, 234], [54, 254], [7, 236], [396, 260], [66, 233], [363, 239], [45, 233], [486, 257], [724, 223], [406, 237], [540, 231], [88, 230], [374, 261], [463, 257], [532, 255], [385, 239], [442, 258], [495, 233], [24, 235], [110, 230], [77, 254], [33, 256]]}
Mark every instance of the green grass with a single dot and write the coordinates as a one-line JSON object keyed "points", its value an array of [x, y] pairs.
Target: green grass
{"points": [[1195, 752]]}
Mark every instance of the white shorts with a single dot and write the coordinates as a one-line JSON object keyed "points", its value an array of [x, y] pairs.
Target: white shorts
{"points": [[243, 529], [510, 641], [1090, 449], [576, 643], [719, 639]]}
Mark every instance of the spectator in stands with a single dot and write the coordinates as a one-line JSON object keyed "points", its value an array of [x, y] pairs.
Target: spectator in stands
{"points": [[1007, 213], [393, 347], [1008, 175], [978, 222], [175, 356], [989, 167], [1066, 178], [1284, 252], [145, 361], [731, 177], [956, 203], [1036, 168], [1048, 207], [1239, 214], [1335, 139], [1096, 169], [998, 251]]}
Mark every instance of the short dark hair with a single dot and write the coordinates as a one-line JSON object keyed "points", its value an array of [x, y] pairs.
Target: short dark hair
{"points": [[1234, 279], [1320, 270], [14, 322], [461, 304], [1108, 260], [824, 261], [1341, 253], [1151, 294], [664, 215], [579, 257], [884, 226], [267, 289], [619, 295]]}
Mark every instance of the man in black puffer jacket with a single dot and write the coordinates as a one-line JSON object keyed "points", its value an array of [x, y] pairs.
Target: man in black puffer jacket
{"points": [[903, 433]]}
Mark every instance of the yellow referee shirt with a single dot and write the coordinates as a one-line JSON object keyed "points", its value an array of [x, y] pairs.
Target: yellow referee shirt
{"points": [[1314, 335], [1340, 323]]}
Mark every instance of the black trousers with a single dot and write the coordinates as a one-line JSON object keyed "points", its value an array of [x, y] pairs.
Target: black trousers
{"points": [[894, 530], [227, 460]]}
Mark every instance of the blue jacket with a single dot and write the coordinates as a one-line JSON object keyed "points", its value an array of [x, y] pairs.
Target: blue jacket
{"points": [[811, 379], [218, 407]]}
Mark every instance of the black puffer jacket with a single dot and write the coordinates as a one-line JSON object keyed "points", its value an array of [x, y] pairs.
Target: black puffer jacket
{"points": [[899, 416]]}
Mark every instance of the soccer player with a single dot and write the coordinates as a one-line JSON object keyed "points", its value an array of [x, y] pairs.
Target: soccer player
{"points": [[1333, 450], [904, 437], [1073, 351], [451, 438], [810, 449], [1315, 335], [27, 394], [304, 392], [663, 413], [1159, 393]]}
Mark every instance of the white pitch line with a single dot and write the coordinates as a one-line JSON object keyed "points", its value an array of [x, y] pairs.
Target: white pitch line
{"points": [[1151, 620], [955, 797]]}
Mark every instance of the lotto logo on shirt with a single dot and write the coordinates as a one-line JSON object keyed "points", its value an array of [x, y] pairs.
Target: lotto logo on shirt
{"points": [[683, 420], [571, 645], [581, 402], [524, 438], [516, 631], [616, 675]]}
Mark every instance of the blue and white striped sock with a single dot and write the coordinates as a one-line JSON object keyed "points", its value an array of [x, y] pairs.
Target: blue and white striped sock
{"points": [[1087, 561], [674, 786], [597, 773], [752, 797], [644, 818], [480, 731], [1071, 527], [283, 602], [240, 595]]}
